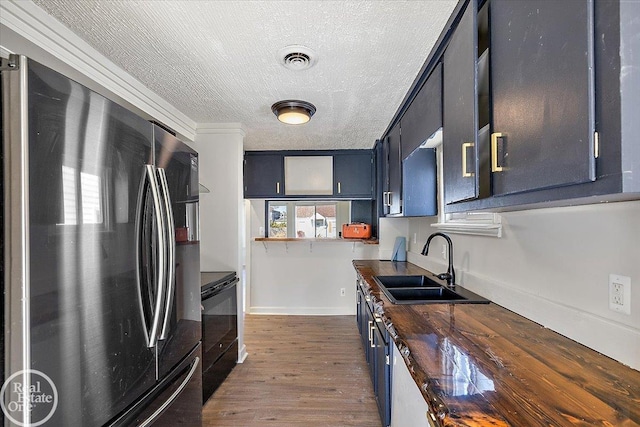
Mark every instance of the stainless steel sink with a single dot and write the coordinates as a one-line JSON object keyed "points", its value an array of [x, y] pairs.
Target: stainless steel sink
{"points": [[424, 290]]}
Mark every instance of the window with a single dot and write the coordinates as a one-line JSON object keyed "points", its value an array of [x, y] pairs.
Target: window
{"points": [[277, 220], [475, 223], [307, 219]]}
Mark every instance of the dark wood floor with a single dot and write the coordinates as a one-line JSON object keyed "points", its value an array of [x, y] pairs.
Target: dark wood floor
{"points": [[301, 371]]}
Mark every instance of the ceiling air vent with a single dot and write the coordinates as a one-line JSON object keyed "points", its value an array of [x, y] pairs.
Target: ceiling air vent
{"points": [[296, 57]]}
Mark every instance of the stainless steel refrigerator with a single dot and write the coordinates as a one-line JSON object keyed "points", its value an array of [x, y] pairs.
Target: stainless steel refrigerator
{"points": [[101, 301]]}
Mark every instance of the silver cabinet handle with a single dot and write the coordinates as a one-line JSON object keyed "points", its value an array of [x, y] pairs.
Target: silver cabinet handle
{"points": [[372, 326], [370, 323], [278, 187], [389, 198], [339, 190], [171, 250]]}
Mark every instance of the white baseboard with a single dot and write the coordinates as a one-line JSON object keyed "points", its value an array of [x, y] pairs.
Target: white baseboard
{"points": [[304, 311], [242, 354]]}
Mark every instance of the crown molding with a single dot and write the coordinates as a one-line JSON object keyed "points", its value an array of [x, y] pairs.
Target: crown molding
{"points": [[221, 129], [32, 23]]}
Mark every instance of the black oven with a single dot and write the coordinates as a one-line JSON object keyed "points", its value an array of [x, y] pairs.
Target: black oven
{"points": [[219, 328]]}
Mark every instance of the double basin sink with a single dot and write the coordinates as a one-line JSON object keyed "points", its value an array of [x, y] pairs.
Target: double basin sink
{"points": [[424, 290]]}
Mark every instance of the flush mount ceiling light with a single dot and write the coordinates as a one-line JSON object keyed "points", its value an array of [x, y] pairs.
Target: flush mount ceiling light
{"points": [[293, 112]]}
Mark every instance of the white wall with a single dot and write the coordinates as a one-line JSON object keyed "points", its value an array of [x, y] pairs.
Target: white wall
{"points": [[304, 276], [553, 266], [221, 210], [388, 230], [220, 150]]}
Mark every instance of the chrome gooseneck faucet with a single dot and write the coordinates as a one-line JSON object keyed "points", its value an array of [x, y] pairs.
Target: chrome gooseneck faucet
{"points": [[450, 275]]}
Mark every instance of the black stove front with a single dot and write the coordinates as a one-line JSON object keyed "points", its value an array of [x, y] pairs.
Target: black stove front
{"points": [[219, 329]]}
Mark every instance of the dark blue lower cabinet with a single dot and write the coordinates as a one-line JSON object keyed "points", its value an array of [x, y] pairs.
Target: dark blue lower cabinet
{"points": [[377, 349], [363, 321], [382, 349]]}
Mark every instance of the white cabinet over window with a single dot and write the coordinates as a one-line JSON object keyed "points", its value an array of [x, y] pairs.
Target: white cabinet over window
{"points": [[308, 175]]}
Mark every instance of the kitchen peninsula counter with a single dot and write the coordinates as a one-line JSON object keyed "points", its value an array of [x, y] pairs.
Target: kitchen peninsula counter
{"points": [[484, 365]]}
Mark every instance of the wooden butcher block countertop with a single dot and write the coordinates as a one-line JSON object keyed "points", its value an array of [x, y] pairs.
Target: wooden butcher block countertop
{"points": [[483, 365]]}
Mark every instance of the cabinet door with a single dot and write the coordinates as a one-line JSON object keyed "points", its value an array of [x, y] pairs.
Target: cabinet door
{"points": [[424, 115], [370, 348], [382, 374], [394, 198], [353, 175], [381, 183], [460, 118], [263, 175], [361, 318], [419, 183], [408, 406], [542, 92]]}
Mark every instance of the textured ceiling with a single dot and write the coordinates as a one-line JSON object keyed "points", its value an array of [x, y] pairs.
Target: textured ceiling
{"points": [[216, 61]]}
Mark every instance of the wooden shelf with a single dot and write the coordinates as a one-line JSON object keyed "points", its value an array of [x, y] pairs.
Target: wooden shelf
{"points": [[295, 239]]}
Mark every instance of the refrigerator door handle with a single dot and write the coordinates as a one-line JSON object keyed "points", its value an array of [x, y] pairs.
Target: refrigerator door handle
{"points": [[171, 249], [173, 396], [162, 254], [150, 183], [140, 209]]}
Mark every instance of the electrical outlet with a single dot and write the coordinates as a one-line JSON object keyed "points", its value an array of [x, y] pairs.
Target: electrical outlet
{"points": [[343, 292], [444, 251], [620, 293], [617, 294]]}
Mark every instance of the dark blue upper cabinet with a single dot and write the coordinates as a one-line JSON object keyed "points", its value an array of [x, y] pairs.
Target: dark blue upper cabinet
{"points": [[421, 120], [263, 175], [424, 115], [419, 183], [525, 69], [539, 107], [542, 91], [353, 174], [392, 150], [460, 108]]}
